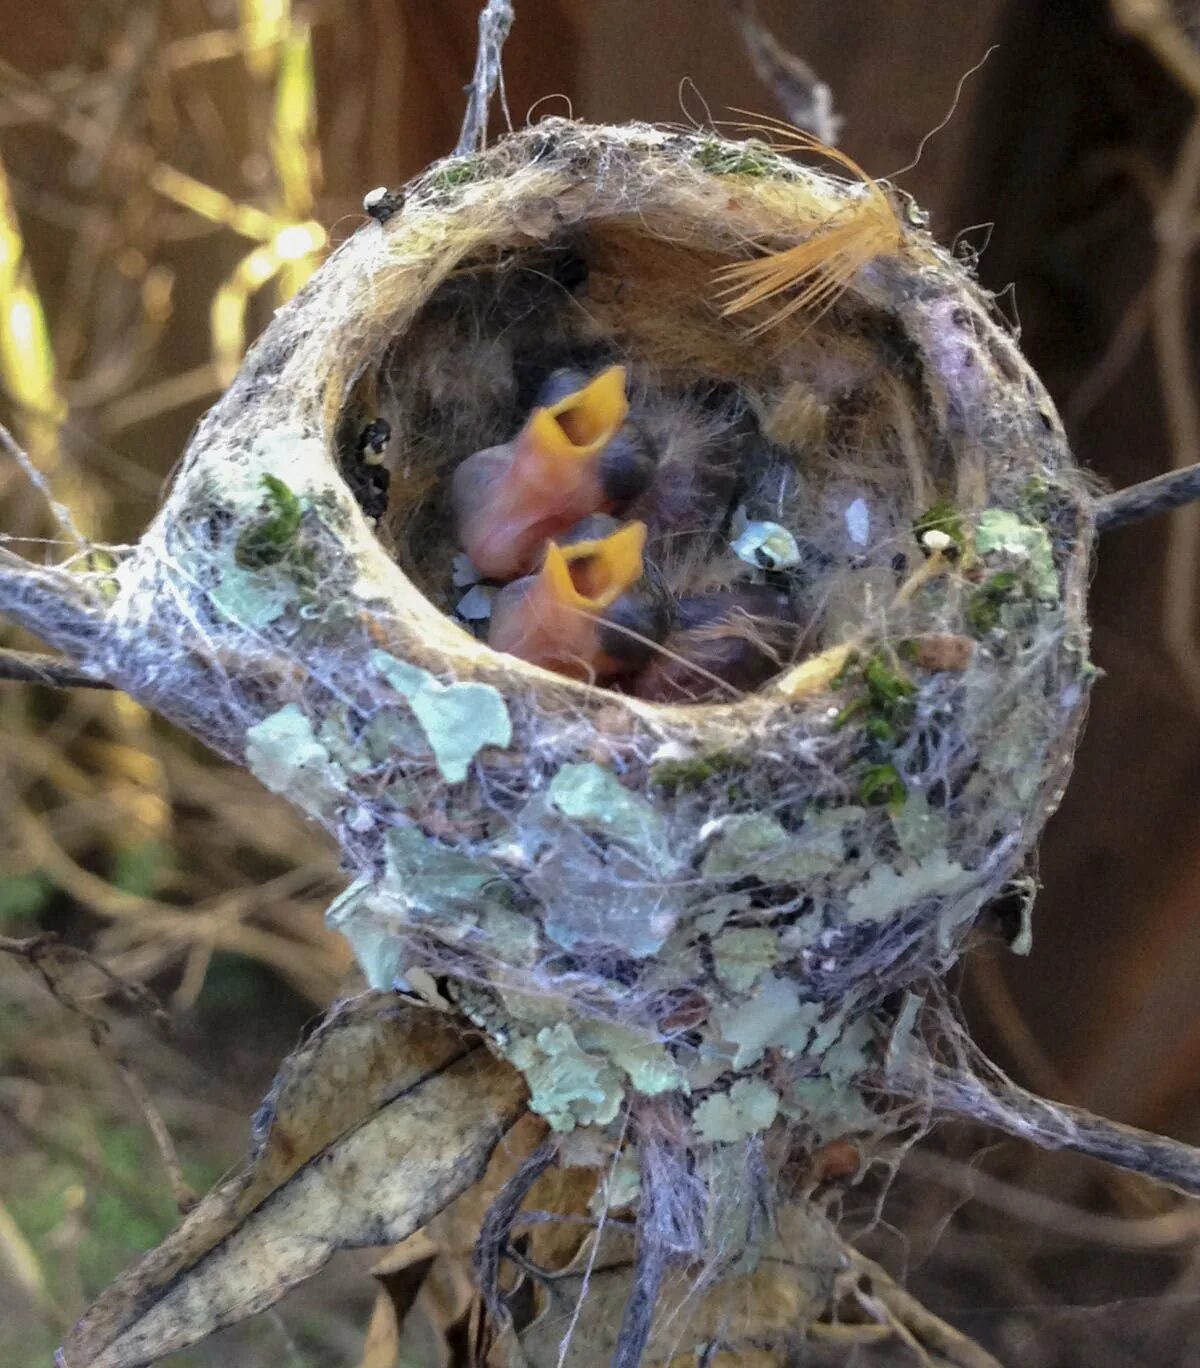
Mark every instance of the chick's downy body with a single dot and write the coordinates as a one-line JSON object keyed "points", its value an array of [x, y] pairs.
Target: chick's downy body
{"points": [[701, 448], [723, 644]]}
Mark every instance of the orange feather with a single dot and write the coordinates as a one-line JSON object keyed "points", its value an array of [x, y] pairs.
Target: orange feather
{"points": [[825, 263]]}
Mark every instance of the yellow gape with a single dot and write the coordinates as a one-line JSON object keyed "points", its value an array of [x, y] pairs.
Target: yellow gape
{"points": [[552, 618]]}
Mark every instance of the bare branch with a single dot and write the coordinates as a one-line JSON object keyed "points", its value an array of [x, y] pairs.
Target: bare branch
{"points": [[52, 603], [32, 667], [497, 1225], [41, 952], [1149, 498], [1058, 1126], [914, 1322]]}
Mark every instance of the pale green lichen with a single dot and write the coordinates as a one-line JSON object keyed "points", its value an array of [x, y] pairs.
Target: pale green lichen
{"points": [[920, 829], [1005, 779], [734, 1226], [424, 880], [390, 733], [754, 845], [380, 953], [743, 954], [773, 1018], [378, 950], [251, 598], [458, 720], [619, 1186], [900, 1040], [748, 1107], [720, 909], [334, 735], [1001, 532], [599, 897], [886, 892], [830, 1105], [438, 882], [582, 1066], [509, 936], [283, 752], [649, 1067], [568, 1086], [597, 800]]}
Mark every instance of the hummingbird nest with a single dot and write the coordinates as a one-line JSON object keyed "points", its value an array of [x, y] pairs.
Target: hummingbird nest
{"points": [[689, 924]]}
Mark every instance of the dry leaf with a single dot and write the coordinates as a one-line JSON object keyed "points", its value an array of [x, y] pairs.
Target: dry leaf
{"points": [[374, 1125]]}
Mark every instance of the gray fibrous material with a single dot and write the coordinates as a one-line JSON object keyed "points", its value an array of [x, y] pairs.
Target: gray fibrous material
{"points": [[700, 915]]}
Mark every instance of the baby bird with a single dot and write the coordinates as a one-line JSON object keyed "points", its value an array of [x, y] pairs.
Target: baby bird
{"points": [[723, 644], [583, 613], [702, 446], [572, 458]]}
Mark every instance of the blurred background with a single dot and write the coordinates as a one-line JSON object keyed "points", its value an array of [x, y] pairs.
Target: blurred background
{"points": [[170, 172]]}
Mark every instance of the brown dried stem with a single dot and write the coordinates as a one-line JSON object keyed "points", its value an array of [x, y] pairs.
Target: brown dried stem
{"points": [[1058, 1125], [924, 1332], [1152, 23]]}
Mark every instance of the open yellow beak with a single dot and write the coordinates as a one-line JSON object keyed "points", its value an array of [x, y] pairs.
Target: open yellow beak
{"points": [[590, 576], [577, 427], [550, 618]]}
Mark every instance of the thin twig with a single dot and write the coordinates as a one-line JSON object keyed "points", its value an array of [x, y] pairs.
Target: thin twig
{"points": [[62, 513], [1165, 1230], [181, 1190], [1149, 498], [33, 667], [495, 20], [804, 98], [37, 950]]}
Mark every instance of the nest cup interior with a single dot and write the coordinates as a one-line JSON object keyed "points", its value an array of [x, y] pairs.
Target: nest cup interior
{"points": [[792, 458]]}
